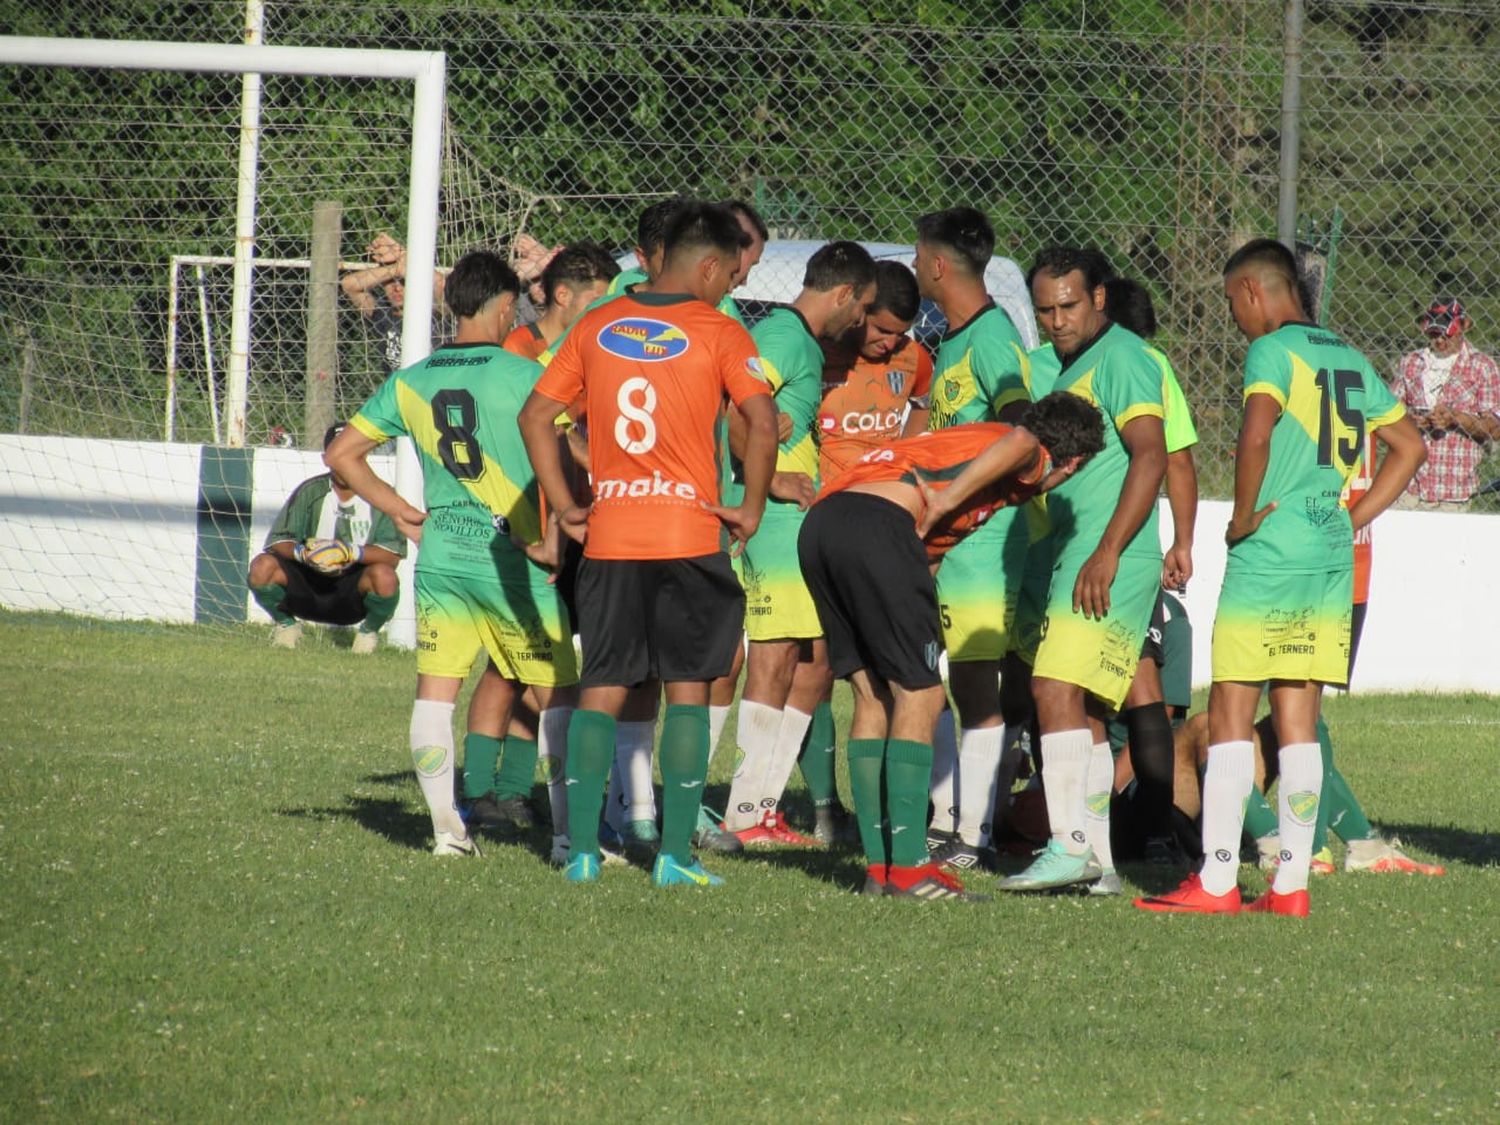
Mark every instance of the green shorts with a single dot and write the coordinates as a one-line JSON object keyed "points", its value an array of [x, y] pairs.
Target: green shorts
{"points": [[978, 587], [1031, 605], [778, 606], [1278, 626], [1099, 655], [524, 629]]}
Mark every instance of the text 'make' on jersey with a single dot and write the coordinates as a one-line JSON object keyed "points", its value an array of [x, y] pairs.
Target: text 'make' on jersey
{"points": [[654, 370]]}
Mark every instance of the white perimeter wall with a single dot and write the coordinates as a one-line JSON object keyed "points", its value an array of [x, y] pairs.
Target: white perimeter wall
{"points": [[109, 529]]}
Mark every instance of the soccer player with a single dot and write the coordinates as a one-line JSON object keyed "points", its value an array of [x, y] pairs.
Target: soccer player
{"points": [[475, 589], [917, 497], [657, 598], [981, 374], [1108, 560], [876, 380], [786, 670], [289, 583], [575, 278], [1284, 608]]}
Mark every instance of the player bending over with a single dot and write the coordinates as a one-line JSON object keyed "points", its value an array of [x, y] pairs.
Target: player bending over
{"points": [[916, 498]]}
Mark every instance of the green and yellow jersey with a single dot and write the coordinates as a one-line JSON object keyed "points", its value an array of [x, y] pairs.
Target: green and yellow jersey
{"points": [[792, 363], [981, 367], [1329, 395], [1118, 374], [459, 406]]}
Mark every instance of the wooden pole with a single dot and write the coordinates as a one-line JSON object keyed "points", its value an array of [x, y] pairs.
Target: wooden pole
{"points": [[322, 323]]}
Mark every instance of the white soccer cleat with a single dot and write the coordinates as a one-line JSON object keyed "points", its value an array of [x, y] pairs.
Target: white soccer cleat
{"points": [[1385, 857], [449, 844], [287, 635], [364, 643]]}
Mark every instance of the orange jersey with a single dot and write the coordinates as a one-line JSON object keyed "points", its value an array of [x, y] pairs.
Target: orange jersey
{"points": [[864, 404], [1364, 544], [526, 341], [939, 457], [653, 370]]}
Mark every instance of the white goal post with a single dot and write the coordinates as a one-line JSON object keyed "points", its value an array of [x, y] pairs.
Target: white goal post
{"points": [[426, 70]]}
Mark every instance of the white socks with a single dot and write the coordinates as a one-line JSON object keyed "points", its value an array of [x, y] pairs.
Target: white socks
{"points": [[758, 728], [1101, 785], [717, 717], [1297, 802], [978, 778], [431, 740], [783, 761], [1227, 781], [944, 791], [552, 751], [1065, 766], [634, 742]]}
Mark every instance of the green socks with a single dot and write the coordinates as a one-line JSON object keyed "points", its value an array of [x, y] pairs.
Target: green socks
{"points": [[1260, 817], [378, 610], [517, 768], [591, 749], [908, 773], [817, 758], [866, 770], [684, 765], [480, 754], [1346, 819], [269, 598]]}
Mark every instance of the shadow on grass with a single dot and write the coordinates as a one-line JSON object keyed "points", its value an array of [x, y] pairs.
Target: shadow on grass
{"points": [[1480, 849], [384, 817], [394, 777]]}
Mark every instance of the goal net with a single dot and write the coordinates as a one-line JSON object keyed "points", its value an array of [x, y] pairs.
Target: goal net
{"points": [[133, 482]]}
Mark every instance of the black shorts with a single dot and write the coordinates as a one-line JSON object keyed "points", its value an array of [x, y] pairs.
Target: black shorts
{"points": [[567, 577], [1151, 647], [1356, 627], [679, 620], [333, 599], [868, 575]]}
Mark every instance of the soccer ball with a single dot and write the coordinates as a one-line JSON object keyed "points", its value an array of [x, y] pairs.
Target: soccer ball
{"points": [[328, 555]]}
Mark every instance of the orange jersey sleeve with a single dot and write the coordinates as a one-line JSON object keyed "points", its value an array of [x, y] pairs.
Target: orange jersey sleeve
{"points": [[939, 457], [526, 341], [653, 370], [1364, 544], [864, 404]]}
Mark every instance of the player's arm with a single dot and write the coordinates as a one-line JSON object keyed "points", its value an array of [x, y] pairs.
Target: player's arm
{"points": [[1015, 453], [919, 405], [539, 433], [759, 462], [1404, 453], [1252, 453], [1182, 499], [371, 555], [285, 535], [796, 488], [348, 456], [1144, 440], [916, 418]]}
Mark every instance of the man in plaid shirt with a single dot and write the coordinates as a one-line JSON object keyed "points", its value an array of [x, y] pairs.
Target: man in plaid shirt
{"points": [[1453, 391]]}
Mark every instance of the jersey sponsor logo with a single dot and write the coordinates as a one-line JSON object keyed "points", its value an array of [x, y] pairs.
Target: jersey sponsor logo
{"points": [[655, 486], [642, 339], [866, 422]]}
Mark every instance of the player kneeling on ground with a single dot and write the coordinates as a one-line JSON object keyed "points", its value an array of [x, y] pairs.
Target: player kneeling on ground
{"points": [[916, 498], [329, 558]]}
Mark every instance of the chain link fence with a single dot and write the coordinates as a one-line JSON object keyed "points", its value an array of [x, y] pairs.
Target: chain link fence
{"points": [[1151, 129]]}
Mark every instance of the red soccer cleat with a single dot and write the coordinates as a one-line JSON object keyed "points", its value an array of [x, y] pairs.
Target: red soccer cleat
{"points": [[928, 881], [780, 832], [877, 877], [1191, 898], [1293, 904], [756, 836]]}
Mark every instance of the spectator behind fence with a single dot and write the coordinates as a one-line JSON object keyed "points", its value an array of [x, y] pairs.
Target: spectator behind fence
{"points": [[1453, 391], [379, 293]]}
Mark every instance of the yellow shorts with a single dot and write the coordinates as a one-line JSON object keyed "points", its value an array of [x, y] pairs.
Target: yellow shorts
{"points": [[979, 586], [1276, 626], [525, 630], [778, 606], [1099, 655]]}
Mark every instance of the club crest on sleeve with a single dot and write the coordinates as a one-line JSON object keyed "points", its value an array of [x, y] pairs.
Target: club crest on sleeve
{"points": [[642, 339]]}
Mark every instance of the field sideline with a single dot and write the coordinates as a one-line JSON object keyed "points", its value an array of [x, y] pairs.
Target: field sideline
{"points": [[218, 900]]}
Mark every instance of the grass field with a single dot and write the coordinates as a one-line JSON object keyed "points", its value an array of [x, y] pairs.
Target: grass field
{"points": [[217, 902]]}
